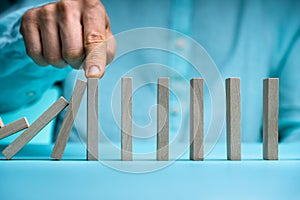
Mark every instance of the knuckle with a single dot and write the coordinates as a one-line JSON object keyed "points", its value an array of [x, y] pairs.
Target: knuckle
{"points": [[28, 18], [29, 15], [93, 38], [54, 60], [94, 8], [33, 52], [93, 4], [64, 6], [72, 55], [67, 12], [47, 13]]}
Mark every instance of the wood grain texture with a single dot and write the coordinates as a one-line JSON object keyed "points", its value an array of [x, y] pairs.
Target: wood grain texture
{"points": [[34, 129], [163, 119], [92, 119], [270, 118], [13, 127], [196, 119], [1, 123], [233, 118], [67, 124], [126, 119]]}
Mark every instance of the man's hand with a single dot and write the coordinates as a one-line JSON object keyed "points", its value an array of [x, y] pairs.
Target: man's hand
{"points": [[69, 32]]}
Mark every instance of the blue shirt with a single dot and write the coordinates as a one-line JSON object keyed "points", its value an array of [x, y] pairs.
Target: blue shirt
{"points": [[252, 40]]}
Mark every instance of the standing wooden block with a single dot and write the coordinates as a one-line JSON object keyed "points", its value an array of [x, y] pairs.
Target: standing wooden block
{"points": [[1, 123], [126, 119], [163, 119], [33, 130], [270, 121], [233, 118], [68, 121], [13, 127], [196, 119], [92, 119]]}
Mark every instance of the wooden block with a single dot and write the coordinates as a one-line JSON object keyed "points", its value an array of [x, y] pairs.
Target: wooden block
{"points": [[67, 124], [92, 119], [233, 118], [126, 119], [196, 119], [163, 119], [13, 127], [1, 123], [270, 119], [34, 129]]}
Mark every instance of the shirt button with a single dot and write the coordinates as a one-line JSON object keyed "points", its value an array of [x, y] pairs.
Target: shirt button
{"points": [[30, 93], [180, 43]]}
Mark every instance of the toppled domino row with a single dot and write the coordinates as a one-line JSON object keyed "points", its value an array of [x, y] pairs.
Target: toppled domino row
{"points": [[64, 133]]}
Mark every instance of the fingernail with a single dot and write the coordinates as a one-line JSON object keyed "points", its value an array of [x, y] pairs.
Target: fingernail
{"points": [[94, 71]]}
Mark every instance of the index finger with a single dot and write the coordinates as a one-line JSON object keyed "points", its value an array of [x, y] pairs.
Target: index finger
{"points": [[94, 27]]}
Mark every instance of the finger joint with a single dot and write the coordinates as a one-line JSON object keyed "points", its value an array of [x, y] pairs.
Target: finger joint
{"points": [[94, 38]]}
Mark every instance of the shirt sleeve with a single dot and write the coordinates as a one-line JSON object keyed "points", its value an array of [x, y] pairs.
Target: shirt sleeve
{"points": [[22, 82]]}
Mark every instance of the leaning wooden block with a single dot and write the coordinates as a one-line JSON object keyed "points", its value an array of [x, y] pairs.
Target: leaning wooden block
{"points": [[92, 119], [196, 119], [34, 129], [233, 118], [1, 123], [68, 121], [163, 119], [13, 127], [270, 119], [126, 119]]}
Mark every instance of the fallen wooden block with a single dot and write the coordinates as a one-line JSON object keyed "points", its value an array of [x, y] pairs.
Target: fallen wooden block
{"points": [[270, 118], [1, 123], [196, 119], [126, 119], [92, 119], [13, 127], [233, 118], [65, 130], [163, 119], [34, 129]]}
